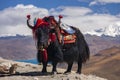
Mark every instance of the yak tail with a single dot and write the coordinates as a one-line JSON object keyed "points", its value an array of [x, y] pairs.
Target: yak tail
{"points": [[84, 52]]}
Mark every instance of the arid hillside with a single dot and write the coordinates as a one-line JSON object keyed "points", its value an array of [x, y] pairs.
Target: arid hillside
{"points": [[105, 64]]}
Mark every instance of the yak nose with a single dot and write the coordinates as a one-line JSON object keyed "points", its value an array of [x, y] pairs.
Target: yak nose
{"points": [[40, 48], [42, 45]]}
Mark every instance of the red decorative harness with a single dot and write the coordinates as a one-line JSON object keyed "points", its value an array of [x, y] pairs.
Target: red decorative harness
{"points": [[45, 55], [52, 36]]}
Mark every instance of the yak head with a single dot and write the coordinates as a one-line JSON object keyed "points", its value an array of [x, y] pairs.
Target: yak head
{"points": [[42, 31]]}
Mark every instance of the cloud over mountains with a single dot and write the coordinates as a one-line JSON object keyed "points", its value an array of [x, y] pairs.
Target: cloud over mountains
{"points": [[13, 19]]}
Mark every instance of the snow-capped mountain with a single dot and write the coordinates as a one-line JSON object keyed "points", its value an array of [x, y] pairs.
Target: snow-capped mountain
{"points": [[12, 35], [7, 35], [112, 30]]}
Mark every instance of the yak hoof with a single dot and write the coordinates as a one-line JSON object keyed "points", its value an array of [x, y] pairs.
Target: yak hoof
{"points": [[67, 72], [44, 71], [78, 72]]}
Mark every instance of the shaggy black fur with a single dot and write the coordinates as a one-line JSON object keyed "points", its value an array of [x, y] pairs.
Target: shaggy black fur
{"points": [[69, 53]]}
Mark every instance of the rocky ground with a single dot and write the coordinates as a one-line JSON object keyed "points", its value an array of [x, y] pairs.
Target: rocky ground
{"points": [[27, 71]]}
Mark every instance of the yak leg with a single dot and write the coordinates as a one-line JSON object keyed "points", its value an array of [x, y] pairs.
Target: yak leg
{"points": [[79, 67], [54, 70], [44, 70], [70, 64], [39, 57]]}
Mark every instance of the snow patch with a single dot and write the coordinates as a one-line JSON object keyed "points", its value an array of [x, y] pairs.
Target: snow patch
{"points": [[112, 30]]}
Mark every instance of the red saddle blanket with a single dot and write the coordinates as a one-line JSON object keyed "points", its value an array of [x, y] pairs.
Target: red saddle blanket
{"points": [[67, 38]]}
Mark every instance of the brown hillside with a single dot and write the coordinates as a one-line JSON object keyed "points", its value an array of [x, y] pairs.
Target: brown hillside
{"points": [[105, 64]]}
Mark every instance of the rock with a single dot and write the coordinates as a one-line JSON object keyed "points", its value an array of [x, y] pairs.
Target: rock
{"points": [[35, 78]]}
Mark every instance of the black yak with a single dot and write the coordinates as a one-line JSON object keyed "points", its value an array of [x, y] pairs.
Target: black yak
{"points": [[47, 33]]}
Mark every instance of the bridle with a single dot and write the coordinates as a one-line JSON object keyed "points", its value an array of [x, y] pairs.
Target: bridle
{"points": [[49, 21], [52, 33], [52, 38]]}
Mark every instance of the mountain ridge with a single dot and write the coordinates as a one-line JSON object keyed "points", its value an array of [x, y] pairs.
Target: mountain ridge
{"points": [[112, 30], [24, 47]]}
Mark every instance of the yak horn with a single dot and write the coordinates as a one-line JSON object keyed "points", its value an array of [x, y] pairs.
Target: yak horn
{"points": [[28, 24]]}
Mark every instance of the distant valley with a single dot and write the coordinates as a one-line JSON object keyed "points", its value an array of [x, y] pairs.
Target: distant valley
{"points": [[23, 47]]}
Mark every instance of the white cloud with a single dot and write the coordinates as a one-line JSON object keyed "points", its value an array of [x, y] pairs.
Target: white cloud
{"points": [[13, 19], [70, 11], [95, 2], [84, 18], [90, 22]]}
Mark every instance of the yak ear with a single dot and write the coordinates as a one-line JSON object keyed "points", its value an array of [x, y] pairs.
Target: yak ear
{"points": [[28, 24]]}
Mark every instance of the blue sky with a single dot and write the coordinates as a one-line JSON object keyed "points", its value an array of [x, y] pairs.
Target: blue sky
{"points": [[84, 14], [111, 8], [43, 3]]}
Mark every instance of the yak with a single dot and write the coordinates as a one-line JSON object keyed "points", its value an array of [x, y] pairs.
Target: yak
{"points": [[50, 48]]}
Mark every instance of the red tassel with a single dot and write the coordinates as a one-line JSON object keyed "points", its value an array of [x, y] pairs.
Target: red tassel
{"points": [[45, 56], [28, 16], [60, 16]]}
